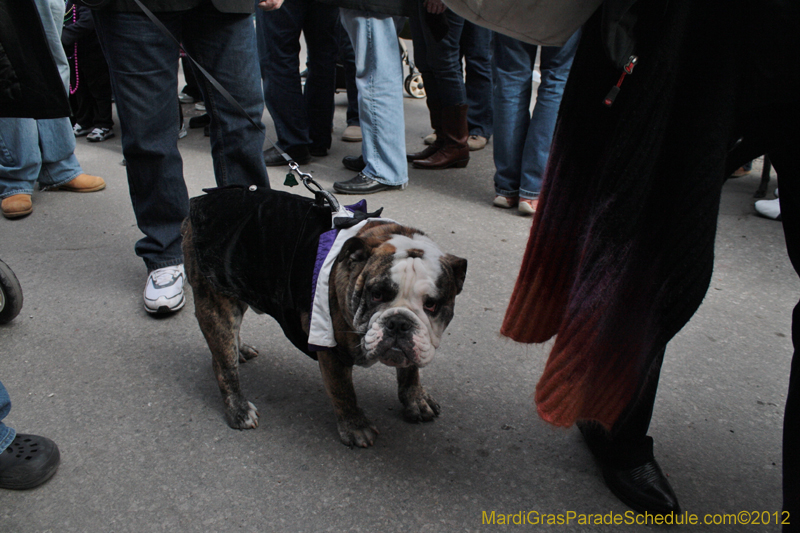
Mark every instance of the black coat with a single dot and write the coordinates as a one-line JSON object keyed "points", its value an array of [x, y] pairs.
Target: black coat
{"points": [[225, 6], [260, 247], [30, 84]]}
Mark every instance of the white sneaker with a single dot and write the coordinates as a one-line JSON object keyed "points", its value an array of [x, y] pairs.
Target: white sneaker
{"points": [[163, 292], [769, 208]]}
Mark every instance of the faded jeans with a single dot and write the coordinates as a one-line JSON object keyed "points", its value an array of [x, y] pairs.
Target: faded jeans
{"points": [[522, 139], [379, 78]]}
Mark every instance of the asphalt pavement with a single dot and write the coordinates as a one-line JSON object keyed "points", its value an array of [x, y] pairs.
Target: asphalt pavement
{"points": [[132, 402]]}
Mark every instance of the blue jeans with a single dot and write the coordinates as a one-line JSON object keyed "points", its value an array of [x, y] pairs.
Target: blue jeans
{"points": [[476, 47], [439, 62], [522, 140], [7, 434], [379, 78], [144, 75], [52, 14], [302, 116], [36, 150]]}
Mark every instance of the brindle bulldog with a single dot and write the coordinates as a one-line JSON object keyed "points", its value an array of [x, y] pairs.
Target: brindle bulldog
{"points": [[390, 294]]}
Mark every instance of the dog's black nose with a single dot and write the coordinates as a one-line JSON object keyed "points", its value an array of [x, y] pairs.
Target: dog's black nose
{"points": [[398, 324]]}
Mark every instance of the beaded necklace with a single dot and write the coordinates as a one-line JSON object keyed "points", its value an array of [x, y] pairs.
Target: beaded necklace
{"points": [[73, 90]]}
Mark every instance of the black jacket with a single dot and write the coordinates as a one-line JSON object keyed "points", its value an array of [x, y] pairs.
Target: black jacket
{"points": [[161, 6], [30, 84], [404, 8]]}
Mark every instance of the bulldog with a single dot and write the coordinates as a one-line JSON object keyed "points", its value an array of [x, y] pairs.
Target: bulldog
{"points": [[368, 290]]}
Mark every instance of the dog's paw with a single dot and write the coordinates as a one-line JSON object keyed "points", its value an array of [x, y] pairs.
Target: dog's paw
{"points": [[418, 405], [246, 352], [357, 431], [243, 417]]}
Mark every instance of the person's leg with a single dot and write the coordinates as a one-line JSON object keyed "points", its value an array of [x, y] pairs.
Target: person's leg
{"points": [[555, 64], [626, 452], [57, 144], [347, 57], [20, 158], [6, 433], [786, 162], [513, 69], [379, 77], [99, 85], [445, 67], [144, 68], [476, 47], [225, 45], [192, 87], [279, 56], [417, 25], [51, 12], [320, 35], [442, 61], [26, 461]]}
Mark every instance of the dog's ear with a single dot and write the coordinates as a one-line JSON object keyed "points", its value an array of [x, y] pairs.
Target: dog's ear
{"points": [[354, 250], [459, 268]]}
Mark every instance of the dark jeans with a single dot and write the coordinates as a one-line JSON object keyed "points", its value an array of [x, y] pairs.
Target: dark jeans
{"points": [[439, 62], [302, 116], [476, 49], [347, 58], [144, 75]]}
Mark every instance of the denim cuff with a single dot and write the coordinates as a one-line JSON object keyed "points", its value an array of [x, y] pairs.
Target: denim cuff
{"points": [[163, 264], [7, 435], [16, 191]]}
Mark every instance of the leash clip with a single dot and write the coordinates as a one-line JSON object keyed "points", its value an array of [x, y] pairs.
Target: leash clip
{"points": [[322, 196]]}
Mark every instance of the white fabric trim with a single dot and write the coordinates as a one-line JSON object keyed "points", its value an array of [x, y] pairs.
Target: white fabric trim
{"points": [[320, 329]]}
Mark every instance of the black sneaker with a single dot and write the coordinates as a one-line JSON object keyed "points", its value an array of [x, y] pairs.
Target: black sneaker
{"points": [[80, 131], [362, 184], [274, 158], [28, 462], [100, 134], [356, 164]]}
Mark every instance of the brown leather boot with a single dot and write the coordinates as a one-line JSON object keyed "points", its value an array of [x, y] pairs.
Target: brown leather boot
{"points": [[454, 133], [435, 112]]}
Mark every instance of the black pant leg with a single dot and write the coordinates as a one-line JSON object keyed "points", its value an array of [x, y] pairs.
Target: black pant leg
{"points": [[627, 445], [786, 161]]}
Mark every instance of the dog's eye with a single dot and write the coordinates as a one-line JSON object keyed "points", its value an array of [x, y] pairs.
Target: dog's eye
{"points": [[377, 296], [430, 305]]}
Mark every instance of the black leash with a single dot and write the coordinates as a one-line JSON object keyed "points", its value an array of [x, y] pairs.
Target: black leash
{"points": [[319, 193]]}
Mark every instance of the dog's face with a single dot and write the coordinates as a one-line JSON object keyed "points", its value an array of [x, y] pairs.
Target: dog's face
{"points": [[396, 291]]}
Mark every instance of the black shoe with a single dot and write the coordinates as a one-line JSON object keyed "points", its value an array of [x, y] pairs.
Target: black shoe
{"points": [[356, 164], [199, 121], [644, 488], [274, 158], [362, 184], [318, 151], [28, 462]]}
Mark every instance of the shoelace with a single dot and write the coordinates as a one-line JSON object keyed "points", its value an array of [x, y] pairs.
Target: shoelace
{"points": [[166, 276]]}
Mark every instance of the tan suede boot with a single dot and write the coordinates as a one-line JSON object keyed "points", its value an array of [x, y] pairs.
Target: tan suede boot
{"points": [[84, 183], [16, 206]]}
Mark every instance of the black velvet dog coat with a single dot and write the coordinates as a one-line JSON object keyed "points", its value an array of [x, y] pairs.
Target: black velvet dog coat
{"points": [[260, 246]]}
